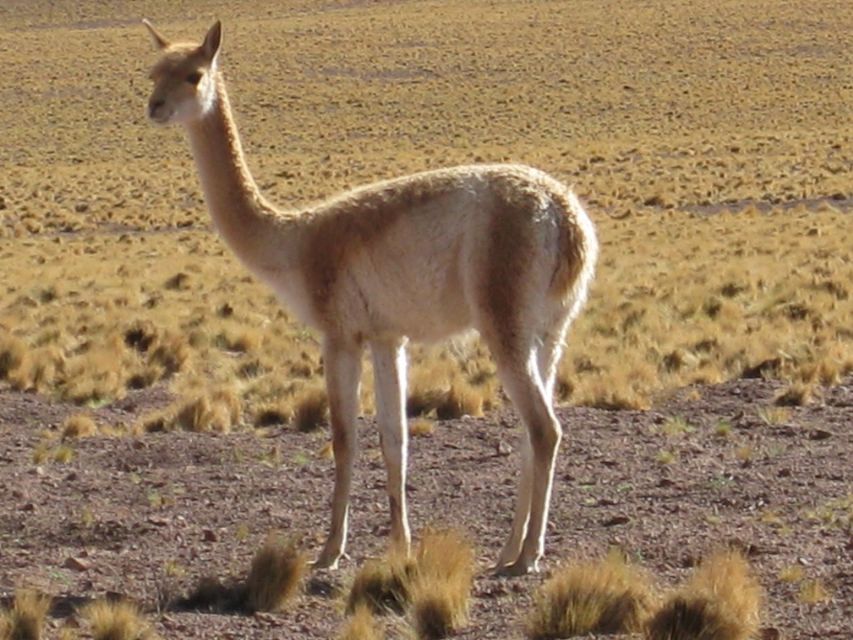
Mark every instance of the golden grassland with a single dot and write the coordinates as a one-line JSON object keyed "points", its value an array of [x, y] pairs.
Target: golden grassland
{"points": [[711, 143]]}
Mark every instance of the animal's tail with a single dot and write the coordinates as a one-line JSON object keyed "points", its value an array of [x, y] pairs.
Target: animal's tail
{"points": [[578, 249]]}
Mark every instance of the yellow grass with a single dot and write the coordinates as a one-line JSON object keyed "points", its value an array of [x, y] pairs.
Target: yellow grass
{"points": [[361, 625], [120, 620], [720, 254], [720, 601], [275, 577], [80, 425], [382, 585], [441, 588], [25, 620], [606, 596]]}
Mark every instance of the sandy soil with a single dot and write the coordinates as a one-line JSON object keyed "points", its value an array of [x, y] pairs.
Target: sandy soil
{"points": [[147, 518]]}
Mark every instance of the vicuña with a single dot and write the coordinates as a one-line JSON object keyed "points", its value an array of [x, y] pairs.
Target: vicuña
{"points": [[504, 249]]}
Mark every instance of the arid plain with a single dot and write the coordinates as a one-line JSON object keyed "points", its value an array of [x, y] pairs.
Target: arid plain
{"points": [[712, 145]]}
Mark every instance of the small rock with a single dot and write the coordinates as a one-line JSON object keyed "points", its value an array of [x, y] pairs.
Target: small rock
{"points": [[502, 448], [616, 520], [819, 434], [76, 564]]}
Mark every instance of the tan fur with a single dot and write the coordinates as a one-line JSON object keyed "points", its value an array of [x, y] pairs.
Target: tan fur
{"points": [[503, 249]]}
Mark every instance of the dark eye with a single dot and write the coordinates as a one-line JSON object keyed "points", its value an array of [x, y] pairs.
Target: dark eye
{"points": [[194, 78]]}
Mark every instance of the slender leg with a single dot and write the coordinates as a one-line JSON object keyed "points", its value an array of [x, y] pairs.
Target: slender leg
{"points": [[389, 366], [549, 357], [342, 364], [524, 387], [512, 548]]}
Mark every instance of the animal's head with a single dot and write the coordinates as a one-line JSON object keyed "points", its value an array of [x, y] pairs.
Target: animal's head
{"points": [[184, 78]]}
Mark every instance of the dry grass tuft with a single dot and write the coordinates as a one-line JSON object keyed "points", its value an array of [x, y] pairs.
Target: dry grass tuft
{"points": [[382, 585], [361, 625], [421, 427], [12, 352], [273, 415], [79, 425], [310, 410], [441, 589], [608, 596], [796, 394], [276, 575], [720, 602], [217, 411], [25, 620], [813, 592], [117, 621]]}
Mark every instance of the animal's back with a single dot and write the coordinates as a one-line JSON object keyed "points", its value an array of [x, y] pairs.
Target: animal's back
{"points": [[420, 256]]}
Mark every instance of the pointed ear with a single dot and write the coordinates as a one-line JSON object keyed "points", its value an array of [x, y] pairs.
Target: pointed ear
{"points": [[212, 40], [159, 41]]}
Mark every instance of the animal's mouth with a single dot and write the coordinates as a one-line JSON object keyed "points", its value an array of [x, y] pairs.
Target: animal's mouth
{"points": [[159, 116]]}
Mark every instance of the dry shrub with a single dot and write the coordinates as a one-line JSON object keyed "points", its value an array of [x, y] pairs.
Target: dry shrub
{"points": [[25, 620], [119, 620], [273, 414], [720, 602], [441, 588], [171, 354], [240, 342], [421, 427], [217, 411], [95, 377], [310, 409], [813, 592], [361, 625], [179, 282], [795, 394], [79, 425], [445, 393], [608, 596], [382, 585], [276, 574], [274, 579], [141, 335], [12, 352], [38, 370], [461, 399]]}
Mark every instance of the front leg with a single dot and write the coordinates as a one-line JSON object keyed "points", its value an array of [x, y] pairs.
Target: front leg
{"points": [[342, 365], [389, 366]]}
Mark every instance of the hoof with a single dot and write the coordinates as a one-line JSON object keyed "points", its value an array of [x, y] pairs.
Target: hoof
{"points": [[327, 561], [517, 568]]}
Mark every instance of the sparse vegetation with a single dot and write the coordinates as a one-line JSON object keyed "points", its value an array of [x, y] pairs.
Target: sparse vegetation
{"points": [[721, 601], [120, 620], [441, 588], [79, 425], [361, 625], [382, 585], [433, 587], [606, 596], [276, 575], [26, 618]]}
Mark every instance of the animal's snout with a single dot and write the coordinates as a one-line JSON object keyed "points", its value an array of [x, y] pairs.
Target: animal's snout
{"points": [[154, 105]]}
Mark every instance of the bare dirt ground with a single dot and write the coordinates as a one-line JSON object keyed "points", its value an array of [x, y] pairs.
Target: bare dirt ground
{"points": [[148, 517]]}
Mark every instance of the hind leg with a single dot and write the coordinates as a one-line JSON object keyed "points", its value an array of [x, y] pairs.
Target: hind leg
{"points": [[519, 374], [512, 547], [548, 355]]}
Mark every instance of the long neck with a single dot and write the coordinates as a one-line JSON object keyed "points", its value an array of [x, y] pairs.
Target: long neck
{"points": [[239, 212]]}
